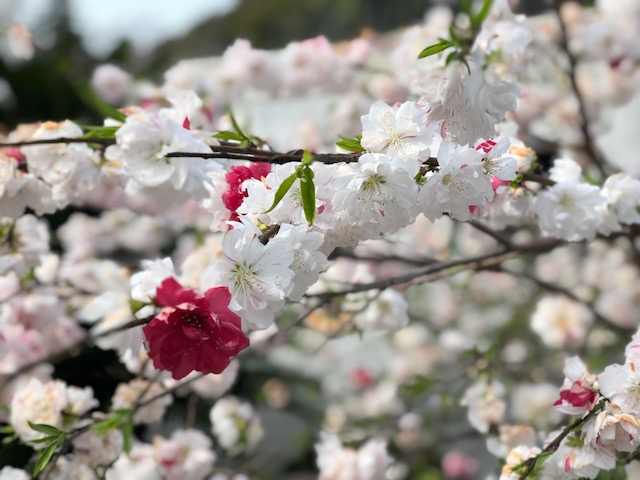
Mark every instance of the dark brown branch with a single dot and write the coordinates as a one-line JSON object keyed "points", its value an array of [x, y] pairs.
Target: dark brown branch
{"points": [[341, 252], [497, 236], [269, 157], [537, 178], [53, 141], [229, 151]]}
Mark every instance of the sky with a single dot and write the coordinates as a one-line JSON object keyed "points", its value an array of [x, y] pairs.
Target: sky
{"points": [[103, 24]]}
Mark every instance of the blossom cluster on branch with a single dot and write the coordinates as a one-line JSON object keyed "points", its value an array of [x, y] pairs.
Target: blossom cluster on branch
{"points": [[390, 266]]}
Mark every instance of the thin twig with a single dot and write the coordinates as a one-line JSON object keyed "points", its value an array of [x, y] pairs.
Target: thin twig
{"points": [[537, 178], [530, 463], [589, 145], [447, 268], [53, 141], [569, 294], [349, 253], [500, 238]]}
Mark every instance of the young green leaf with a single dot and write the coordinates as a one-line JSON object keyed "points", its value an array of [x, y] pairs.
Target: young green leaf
{"points": [[227, 135], [237, 128], [100, 132], [542, 456], [308, 193], [127, 433], [45, 457], [93, 101], [451, 57], [48, 429], [465, 6], [109, 423], [482, 14], [47, 439], [284, 187], [10, 439], [351, 144], [436, 48], [307, 158], [516, 181]]}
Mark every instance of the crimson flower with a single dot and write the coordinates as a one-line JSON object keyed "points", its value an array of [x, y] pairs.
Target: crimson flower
{"points": [[578, 396], [235, 194], [192, 331]]}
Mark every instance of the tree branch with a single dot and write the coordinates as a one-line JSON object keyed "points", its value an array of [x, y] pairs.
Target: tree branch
{"points": [[530, 463], [445, 269], [589, 144]]}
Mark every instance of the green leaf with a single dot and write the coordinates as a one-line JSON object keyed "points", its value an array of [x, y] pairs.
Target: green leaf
{"points": [[454, 39], [226, 135], [437, 48], [516, 181], [93, 101], [351, 144], [136, 305], [119, 418], [7, 429], [48, 429], [466, 64], [47, 439], [100, 132], [127, 433], [237, 129], [451, 57], [542, 456], [10, 439], [109, 423], [465, 6], [284, 187], [476, 21], [45, 457], [307, 158], [308, 192]]}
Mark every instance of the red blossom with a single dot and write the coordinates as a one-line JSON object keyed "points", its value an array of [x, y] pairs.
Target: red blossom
{"points": [[15, 153], [497, 183], [578, 395], [362, 377], [193, 332], [486, 146], [235, 194]]}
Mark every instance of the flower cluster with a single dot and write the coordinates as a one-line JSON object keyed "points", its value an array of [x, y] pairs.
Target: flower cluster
{"points": [[192, 331], [450, 233]]}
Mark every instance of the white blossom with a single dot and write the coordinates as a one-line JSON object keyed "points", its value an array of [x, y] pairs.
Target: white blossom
{"points": [[459, 184], [138, 391], [336, 462], [145, 282], [561, 322], [381, 191], [258, 276], [400, 132], [570, 209], [187, 455], [485, 403], [235, 425]]}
